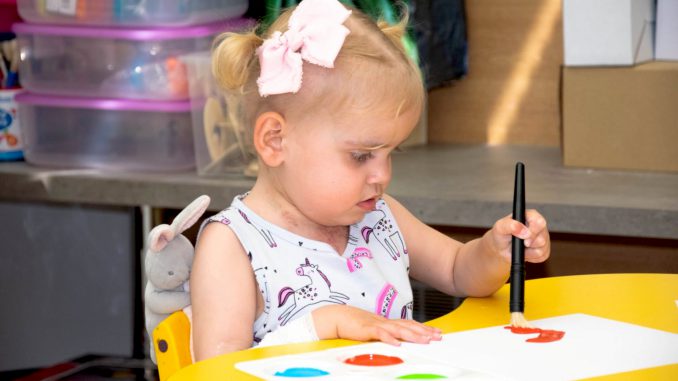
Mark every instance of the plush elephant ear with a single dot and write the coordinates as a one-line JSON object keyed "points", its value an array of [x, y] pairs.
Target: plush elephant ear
{"points": [[190, 215], [159, 237]]}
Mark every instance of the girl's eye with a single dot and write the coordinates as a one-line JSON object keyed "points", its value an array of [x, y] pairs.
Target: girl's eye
{"points": [[361, 157]]}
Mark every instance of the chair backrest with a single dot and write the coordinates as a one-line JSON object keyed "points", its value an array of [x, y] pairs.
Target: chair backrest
{"points": [[171, 339]]}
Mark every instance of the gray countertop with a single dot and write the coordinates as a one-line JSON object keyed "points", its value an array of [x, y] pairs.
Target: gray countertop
{"points": [[454, 185]]}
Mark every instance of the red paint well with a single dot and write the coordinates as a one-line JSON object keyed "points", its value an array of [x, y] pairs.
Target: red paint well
{"points": [[373, 360]]}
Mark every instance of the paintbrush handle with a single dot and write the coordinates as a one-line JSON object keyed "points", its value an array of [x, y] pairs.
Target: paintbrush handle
{"points": [[517, 296]]}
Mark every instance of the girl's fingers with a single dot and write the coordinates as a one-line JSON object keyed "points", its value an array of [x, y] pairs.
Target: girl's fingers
{"points": [[411, 331], [416, 326], [507, 227], [413, 337], [502, 233], [385, 336], [535, 222], [537, 255], [538, 242], [534, 233]]}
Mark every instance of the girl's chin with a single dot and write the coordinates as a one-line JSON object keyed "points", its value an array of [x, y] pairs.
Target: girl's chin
{"points": [[355, 218]]}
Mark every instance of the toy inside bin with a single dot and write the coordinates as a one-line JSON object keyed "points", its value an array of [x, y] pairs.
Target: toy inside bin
{"points": [[223, 145]]}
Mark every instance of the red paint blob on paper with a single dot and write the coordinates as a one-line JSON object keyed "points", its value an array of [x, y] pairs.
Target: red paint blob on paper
{"points": [[373, 360], [545, 335]]}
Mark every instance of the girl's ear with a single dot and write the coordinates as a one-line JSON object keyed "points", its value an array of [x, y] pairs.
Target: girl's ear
{"points": [[269, 132]]}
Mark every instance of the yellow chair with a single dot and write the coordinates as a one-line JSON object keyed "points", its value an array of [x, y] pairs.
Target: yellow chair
{"points": [[172, 342]]}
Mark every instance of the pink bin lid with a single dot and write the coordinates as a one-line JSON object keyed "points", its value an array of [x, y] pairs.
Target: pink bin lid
{"points": [[141, 34], [102, 103]]}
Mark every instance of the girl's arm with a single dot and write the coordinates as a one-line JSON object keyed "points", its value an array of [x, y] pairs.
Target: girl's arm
{"points": [[223, 294], [477, 268]]}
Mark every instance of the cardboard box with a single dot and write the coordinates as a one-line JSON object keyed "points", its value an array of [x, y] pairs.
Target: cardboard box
{"points": [[608, 32], [621, 117], [666, 47]]}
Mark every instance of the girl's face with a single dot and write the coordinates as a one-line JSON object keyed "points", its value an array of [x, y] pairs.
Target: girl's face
{"points": [[336, 168]]}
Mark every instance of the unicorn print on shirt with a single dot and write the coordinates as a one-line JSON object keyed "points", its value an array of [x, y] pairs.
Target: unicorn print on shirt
{"points": [[318, 290], [260, 275], [386, 234], [268, 237], [385, 300], [354, 260], [406, 311]]}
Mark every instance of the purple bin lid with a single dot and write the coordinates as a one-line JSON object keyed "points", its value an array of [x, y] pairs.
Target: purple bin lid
{"points": [[140, 34], [102, 103]]}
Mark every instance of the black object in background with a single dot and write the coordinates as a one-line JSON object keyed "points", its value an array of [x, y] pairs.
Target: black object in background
{"points": [[440, 33]]}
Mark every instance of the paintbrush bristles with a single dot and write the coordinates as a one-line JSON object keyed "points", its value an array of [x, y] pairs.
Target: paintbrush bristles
{"points": [[518, 320]]}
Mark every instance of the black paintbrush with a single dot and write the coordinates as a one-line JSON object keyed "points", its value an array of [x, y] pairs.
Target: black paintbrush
{"points": [[517, 298]]}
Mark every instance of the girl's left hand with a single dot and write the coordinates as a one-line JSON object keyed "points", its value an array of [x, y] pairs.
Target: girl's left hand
{"points": [[535, 234]]}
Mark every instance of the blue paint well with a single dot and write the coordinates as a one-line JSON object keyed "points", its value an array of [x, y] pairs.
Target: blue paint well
{"points": [[302, 372]]}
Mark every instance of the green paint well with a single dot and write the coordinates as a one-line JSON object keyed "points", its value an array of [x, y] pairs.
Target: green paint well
{"points": [[421, 376]]}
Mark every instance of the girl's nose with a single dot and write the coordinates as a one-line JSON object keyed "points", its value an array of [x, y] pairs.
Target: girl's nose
{"points": [[380, 172]]}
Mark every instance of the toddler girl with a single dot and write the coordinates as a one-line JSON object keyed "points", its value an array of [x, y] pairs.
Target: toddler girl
{"points": [[317, 249]]}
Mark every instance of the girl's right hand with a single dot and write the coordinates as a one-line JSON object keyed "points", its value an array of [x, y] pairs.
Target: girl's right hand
{"points": [[340, 321]]}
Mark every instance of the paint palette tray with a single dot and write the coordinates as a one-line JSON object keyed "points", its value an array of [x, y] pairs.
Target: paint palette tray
{"points": [[373, 361]]}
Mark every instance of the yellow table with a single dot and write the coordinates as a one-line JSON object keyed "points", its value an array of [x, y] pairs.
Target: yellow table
{"points": [[648, 300]]}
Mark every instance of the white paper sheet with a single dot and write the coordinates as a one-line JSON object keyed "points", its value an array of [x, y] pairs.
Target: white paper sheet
{"points": [[592, 346]]}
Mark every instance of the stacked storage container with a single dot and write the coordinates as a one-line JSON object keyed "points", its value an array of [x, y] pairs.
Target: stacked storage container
{"points": [[107, 87], [620, 84], [10, 131]]}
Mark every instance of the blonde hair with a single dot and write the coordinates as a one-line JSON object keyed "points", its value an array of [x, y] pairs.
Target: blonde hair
{"points": [[372, 62]]}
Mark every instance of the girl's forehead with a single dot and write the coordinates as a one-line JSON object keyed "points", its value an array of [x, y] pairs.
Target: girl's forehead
{"points": [[374, 129], [362, 85], [371, 106], [355, 103]]}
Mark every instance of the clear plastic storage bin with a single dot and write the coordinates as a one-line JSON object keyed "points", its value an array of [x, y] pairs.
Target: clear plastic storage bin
{"points": [[112, 134], [222, 144], [110, 62], [130, 13]]}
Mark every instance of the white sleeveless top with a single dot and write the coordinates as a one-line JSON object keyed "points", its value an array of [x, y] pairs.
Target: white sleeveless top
{"points": [[297, 275]]}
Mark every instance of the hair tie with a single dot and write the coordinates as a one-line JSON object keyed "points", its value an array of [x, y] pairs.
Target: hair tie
{"points": [[315, 34]]}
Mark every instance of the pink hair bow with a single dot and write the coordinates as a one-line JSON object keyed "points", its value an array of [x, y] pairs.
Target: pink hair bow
{"points": [[315, 34]]}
